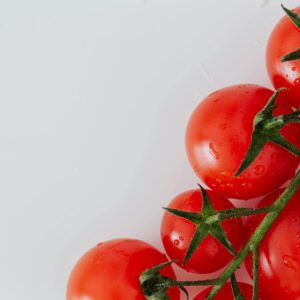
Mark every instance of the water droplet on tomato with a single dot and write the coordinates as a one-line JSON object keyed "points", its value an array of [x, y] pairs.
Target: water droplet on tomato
{"points": [[294, 220], [297, 80], [298, 245], [298, 234], [226, 173], [196, 169], [259, 169], [229, 184], [294, 69], [181, 238], [223, 126], [176, 242], [218, 180], [289, 262], [213, 151]]}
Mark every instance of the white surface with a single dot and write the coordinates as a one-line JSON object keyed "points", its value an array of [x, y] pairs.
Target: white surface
{"points": [[95, 96]]}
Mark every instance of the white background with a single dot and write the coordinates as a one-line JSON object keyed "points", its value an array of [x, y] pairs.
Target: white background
{"points": [[94, 99]]}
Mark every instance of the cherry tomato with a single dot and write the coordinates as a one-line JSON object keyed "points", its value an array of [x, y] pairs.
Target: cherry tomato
{"points": [[284, 39], [226, 292], [219, 134], [177, 234], [111, 271], [279, 255]]}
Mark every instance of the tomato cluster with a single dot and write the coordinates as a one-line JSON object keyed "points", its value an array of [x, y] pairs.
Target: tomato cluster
{"points": [[201, 230]]}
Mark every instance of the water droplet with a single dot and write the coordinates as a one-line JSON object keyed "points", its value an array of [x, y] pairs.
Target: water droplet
{"points": [[244, 184], [259, 169], [196, 169], [226, 173], [230, 185], [176, 242], [298, 245], [289, 262], [287, 76], [218, 180], [294, 220], [298, 234], [294, 69], [181, 238], [297, 80], [223, 126], [214, 151]]}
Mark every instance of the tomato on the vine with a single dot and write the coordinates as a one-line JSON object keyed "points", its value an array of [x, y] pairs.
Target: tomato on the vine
{"points": [[279, 252], [111, 271], [285, 39], [219, 134], [226, 292], [177, 234]]}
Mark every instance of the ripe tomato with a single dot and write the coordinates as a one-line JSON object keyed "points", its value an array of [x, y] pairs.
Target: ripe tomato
{"points": [[284, 39], [279, 256], [111, 271], [226, 292], [177, 234], [219, 134]]}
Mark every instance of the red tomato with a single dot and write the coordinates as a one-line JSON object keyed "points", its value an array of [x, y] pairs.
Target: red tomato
{"points": [[177, 233], [219, 134], [279, 256], [111, 271], [226, 292], [284, 39]]}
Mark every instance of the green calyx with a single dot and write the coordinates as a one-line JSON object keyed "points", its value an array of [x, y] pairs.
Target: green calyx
{"points": [[266, 128], [204, 228], [154, 285], [295, 18]]}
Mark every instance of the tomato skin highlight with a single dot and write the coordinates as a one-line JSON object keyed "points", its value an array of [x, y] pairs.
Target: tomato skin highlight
{"points": [[177, 233], [111, 271], [226, 292], [284, 39], [219, 134], [279, 255]]}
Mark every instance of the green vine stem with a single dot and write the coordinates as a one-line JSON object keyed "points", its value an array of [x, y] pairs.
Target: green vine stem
{"points": [[255, 273], [236, 213]]}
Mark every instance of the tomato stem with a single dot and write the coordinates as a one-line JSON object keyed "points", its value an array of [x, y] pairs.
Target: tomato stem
{"points": [[255, 273], [235, 288], [235, 213]]}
